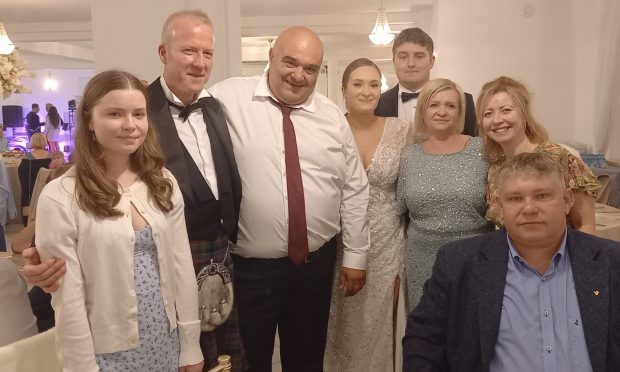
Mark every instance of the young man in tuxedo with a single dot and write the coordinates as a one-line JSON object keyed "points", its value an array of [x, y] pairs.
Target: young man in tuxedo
{"points": [[412, 53]]}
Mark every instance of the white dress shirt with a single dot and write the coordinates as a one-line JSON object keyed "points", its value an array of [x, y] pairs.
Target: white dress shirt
{"points": [[335, 184], [406, 110], [193, 135]]}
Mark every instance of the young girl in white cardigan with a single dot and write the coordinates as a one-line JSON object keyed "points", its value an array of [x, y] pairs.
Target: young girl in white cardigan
{"points": [[128, 301]]}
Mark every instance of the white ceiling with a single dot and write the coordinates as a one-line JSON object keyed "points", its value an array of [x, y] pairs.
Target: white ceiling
{"points": [[54, 33]]}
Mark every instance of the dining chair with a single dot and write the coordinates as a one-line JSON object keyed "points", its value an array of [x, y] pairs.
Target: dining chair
{"points": [[603, 193], [36, 353]]}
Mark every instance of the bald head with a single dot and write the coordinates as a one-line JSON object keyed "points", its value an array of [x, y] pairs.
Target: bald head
{"points": [[295, 63], [305, 37]]}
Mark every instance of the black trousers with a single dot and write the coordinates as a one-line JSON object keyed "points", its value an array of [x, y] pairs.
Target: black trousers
{"points": [[275, 293]]}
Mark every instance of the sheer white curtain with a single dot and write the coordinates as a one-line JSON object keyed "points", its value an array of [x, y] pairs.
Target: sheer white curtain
{"points": [[607, 123]]}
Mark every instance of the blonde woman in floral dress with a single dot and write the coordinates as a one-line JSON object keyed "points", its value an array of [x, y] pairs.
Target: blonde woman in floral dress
{"points": [[508, 129]]}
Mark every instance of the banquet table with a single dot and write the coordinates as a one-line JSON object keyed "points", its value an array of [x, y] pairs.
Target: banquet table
{"points": [[607, 222]]}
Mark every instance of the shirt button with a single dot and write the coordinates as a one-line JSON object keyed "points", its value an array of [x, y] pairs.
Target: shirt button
{"points": [[132, 293], [142, 211], [548, 348], [546, 312]]}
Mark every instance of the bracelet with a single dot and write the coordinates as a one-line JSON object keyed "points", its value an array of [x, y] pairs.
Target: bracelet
{"points": [[13, 250]]}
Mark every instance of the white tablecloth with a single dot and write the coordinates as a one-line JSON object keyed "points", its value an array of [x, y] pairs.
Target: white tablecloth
{"points": [[607, 222]]}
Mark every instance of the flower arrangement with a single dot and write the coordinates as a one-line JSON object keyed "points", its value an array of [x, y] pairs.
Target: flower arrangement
{"points": [[12, 69]]}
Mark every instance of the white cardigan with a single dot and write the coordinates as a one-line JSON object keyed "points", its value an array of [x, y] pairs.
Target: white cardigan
{"points": [[96, 307]]}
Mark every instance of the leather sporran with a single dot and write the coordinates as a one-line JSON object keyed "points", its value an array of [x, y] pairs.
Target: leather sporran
{"points": [[215, 295]]}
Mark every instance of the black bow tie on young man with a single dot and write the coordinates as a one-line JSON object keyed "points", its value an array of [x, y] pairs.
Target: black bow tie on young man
{"points": [[406, 96], [186, 110]]}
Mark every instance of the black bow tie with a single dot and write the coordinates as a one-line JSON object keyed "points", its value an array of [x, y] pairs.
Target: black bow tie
{"points": [[405, 96], [186, 110]]}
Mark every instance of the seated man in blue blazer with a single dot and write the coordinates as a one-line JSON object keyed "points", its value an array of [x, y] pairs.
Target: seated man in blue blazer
{"points": [[537, 296], [412, 53]]}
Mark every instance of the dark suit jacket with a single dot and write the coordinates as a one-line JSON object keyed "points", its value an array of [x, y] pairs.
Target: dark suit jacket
{"points": [[32, 121], [388, 107], [456, 323], [201, 208]]}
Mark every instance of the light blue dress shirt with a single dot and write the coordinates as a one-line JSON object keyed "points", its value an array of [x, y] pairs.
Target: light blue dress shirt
{"points": [[541, 327]]}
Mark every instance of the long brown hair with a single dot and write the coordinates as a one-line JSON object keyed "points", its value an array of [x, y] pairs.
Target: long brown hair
{"points": [[521, 97], [95, 192], [52, 114]]}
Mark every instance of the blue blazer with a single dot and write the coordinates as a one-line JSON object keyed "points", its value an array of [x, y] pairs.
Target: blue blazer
{"points": [[456, 323]]}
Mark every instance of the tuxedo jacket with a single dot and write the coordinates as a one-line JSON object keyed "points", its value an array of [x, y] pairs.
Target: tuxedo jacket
{"points": [[206, 217], [388, 107], [456, 323]]}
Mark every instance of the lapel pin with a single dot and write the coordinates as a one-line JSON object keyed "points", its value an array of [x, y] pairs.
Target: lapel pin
{"points": [[597, 292]]}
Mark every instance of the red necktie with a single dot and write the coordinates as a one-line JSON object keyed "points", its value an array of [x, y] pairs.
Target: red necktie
{"points": [[297, 227]]}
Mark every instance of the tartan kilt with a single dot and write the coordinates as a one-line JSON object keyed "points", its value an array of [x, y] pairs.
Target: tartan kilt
{"points": [[225, 339]]}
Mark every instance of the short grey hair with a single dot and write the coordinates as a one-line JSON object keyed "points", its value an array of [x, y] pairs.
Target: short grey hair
{"points": [[530, 163], [198, 14]]}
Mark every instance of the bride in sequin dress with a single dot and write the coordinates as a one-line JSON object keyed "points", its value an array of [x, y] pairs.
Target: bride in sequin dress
{"points": [[361, 329]]}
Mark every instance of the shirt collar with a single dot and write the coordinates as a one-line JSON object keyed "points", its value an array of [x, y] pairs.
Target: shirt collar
{"points": [[558, 257], [401, 89], [263, 91], [172, 98]]}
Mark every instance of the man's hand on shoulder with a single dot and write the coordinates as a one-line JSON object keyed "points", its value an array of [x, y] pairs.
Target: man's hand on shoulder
{"points": [[352, 280], [43, 274]]}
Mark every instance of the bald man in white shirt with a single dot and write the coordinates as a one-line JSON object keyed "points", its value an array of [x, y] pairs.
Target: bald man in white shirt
{"points": [[274, 286]]}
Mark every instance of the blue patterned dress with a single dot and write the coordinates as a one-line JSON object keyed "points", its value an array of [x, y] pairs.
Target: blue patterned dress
{"points": [[159, 348]]}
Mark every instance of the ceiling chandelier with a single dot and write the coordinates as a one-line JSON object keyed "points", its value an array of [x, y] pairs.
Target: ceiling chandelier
{"points": [[6, 45], [381, 34], [50, 84]]}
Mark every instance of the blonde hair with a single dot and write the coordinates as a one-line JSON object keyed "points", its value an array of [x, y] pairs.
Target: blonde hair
{"points": [[521, 98], [38, 141], [428, 91], [95, 192]]}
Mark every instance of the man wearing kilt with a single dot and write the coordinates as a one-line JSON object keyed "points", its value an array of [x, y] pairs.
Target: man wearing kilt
{"points": [[194, 137]]}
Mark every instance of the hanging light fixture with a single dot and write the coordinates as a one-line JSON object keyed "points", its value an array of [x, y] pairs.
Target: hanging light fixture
{"points": [[6, 45], [50, 83], [381, 34]]}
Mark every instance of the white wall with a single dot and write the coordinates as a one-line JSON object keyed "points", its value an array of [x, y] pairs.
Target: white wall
{"points": [[71, 83], [132, 41], [479, 40]]}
